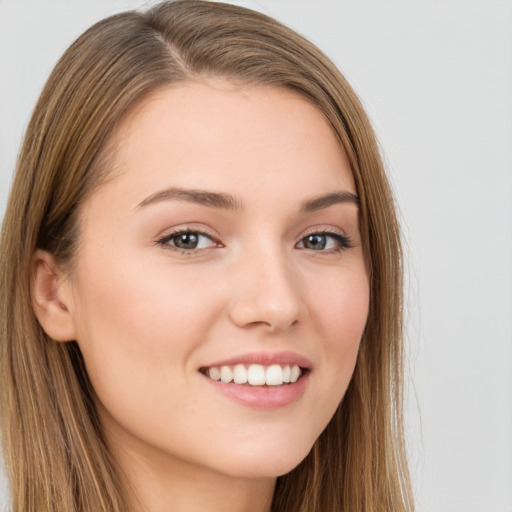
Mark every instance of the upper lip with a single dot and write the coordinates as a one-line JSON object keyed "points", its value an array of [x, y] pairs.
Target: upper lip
{"points": [[265, 359]]}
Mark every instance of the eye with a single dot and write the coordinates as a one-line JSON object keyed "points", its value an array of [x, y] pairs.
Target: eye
{"points": [[325, 241], [188, 241]]}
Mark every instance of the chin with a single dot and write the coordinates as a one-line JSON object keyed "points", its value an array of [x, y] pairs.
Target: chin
{"points": [[265, 464]]}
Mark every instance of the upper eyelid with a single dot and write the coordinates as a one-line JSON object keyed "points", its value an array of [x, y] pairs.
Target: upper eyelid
{"points": [[211, 234], [327, 230], [186, 229], [342, 238], [165, 239], [307, 232], [324, 231]]}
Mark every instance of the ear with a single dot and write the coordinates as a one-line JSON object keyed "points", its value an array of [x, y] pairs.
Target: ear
{"points": [[52, 297]]}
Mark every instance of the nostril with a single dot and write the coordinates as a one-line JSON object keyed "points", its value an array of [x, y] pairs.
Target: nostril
{"points": [[266, 295]]}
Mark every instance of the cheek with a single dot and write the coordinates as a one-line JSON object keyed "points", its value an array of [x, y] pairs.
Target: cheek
{"points": [[138, 322], [139, 328], [341, 307], [340, 310]]}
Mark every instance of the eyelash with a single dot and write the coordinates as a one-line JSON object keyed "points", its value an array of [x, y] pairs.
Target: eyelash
{"points": [[165, 241], [344, 242]]}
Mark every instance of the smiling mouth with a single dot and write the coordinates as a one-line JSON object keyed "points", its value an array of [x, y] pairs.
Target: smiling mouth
{"points": [[255, 374]]}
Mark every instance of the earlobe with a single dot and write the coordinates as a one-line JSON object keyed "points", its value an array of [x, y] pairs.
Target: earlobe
{"points": [[51, 297]]}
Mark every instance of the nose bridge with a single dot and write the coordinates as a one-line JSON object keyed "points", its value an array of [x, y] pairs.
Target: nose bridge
{"points": [[266, 291]]}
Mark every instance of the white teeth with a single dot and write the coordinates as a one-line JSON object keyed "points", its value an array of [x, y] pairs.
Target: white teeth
{"points": [[274, 375], [226, 375], [214, 373], [239, 374], [255, 374], [295, 373]]}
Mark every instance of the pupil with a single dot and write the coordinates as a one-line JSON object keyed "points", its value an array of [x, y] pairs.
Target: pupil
{"points": [[316, 242], [186, 241]]}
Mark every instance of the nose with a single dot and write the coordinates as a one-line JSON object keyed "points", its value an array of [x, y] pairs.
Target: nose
{"points": [[266, 293]]}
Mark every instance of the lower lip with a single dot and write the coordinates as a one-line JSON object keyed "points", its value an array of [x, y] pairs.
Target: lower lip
{"points": [[262, 397]]}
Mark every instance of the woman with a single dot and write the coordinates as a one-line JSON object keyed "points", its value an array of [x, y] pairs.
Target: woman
{"points": [[201, 278]]}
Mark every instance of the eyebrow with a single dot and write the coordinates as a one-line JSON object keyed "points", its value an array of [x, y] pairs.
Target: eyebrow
{"points": [[201, 197], [229, 202], [321, 202]]}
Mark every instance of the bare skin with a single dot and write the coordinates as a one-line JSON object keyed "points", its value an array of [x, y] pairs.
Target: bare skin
{"points": [[230, 233]]}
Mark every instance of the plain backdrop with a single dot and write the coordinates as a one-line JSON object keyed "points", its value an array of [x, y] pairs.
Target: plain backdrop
{"points": [[436, 78]]}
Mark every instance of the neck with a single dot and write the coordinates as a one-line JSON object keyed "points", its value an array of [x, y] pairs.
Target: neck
{"points": [[201, 492]]}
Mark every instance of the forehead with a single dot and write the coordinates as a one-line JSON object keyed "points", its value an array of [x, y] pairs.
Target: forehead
{"points": [[220, 134]]}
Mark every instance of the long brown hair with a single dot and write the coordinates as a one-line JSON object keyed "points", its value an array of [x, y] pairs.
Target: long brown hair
{"points": [[55, 450]]}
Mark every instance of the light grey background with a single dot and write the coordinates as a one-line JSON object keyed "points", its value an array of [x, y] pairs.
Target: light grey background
{"points": [[436, 78]]}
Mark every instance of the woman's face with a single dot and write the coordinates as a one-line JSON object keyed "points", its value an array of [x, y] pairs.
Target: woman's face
{"points": [[227, 243]]}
